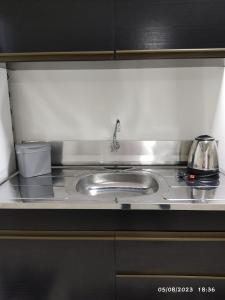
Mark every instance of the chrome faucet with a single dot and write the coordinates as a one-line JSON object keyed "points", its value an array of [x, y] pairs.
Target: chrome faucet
{"points": [[115, 145]]}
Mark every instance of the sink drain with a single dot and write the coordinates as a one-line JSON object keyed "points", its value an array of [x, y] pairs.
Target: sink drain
{"points": [[118, 168]]}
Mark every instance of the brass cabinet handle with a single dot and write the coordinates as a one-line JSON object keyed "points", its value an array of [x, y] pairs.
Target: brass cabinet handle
{"points": [[150, 276], [55, 235], [170, 236], [171, 53], [110, 235], [53, 56], [109, 55]]}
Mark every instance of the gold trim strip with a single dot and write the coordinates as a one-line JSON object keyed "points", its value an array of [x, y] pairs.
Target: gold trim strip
{"points": [[120, 54], [170, 276], [173, 50], [70, 55], [170, 236], [110, 235], [56, 235], [172, 53]]}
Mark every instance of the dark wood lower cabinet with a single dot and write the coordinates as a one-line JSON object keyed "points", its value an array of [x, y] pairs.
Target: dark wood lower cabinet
{"points": [[56, 266], [170, 265], [148, 287], [104, 265], [184, 253]]}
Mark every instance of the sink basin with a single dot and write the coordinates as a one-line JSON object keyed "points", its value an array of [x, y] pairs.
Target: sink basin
{"points": [[118, 184]]}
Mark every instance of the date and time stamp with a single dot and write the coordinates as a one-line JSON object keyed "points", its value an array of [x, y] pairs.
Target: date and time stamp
{"points": [[186, 290]]}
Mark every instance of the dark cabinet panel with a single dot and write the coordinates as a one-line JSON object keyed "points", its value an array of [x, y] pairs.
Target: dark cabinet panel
{"points": [[169, 24], [171, 253], [57, 266], [54, 26], [144, 287], [86, 29], [99, 219]]}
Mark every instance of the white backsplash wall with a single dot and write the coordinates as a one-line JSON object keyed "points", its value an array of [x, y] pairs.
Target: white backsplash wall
{"points": [[74, 100], [7, 157]]}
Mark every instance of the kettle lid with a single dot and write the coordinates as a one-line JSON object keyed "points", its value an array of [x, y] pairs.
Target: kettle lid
{"points": [[204, 137]]}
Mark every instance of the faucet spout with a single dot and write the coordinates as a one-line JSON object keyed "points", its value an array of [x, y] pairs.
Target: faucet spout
{"points": [[115, 145]]}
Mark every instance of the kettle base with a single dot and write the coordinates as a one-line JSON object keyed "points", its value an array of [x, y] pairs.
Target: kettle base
{"points": [[204, 174]]}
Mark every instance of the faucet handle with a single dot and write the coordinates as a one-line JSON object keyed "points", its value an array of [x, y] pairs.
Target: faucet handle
{"points": [[118, 125]]}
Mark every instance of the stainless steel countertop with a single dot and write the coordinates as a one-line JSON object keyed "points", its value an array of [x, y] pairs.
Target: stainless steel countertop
{"points": [[57, 191]]}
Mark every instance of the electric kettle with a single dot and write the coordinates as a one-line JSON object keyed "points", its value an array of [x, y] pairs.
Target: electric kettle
{"points": [[203, 156]]}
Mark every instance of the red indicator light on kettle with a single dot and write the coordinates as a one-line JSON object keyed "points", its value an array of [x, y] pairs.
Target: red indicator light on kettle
{"points": [[192, 177]]}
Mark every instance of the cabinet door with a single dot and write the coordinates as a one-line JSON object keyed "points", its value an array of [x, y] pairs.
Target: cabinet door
{"points": [[170, 253], [56, 266], [145, 287], [55, 26], [169, 24]]}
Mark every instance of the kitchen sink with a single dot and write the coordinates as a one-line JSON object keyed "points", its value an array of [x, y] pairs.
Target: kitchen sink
{"points": [[118, 184]]}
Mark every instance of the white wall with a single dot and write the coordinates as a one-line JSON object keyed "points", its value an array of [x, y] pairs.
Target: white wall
{"points": [[7, 158], [218, 125], [152, 103], [59, 101]]}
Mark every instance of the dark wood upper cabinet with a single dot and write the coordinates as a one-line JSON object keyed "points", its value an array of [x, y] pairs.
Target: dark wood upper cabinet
{"points": [[28, 26], [87, 29], [183, 26]]}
